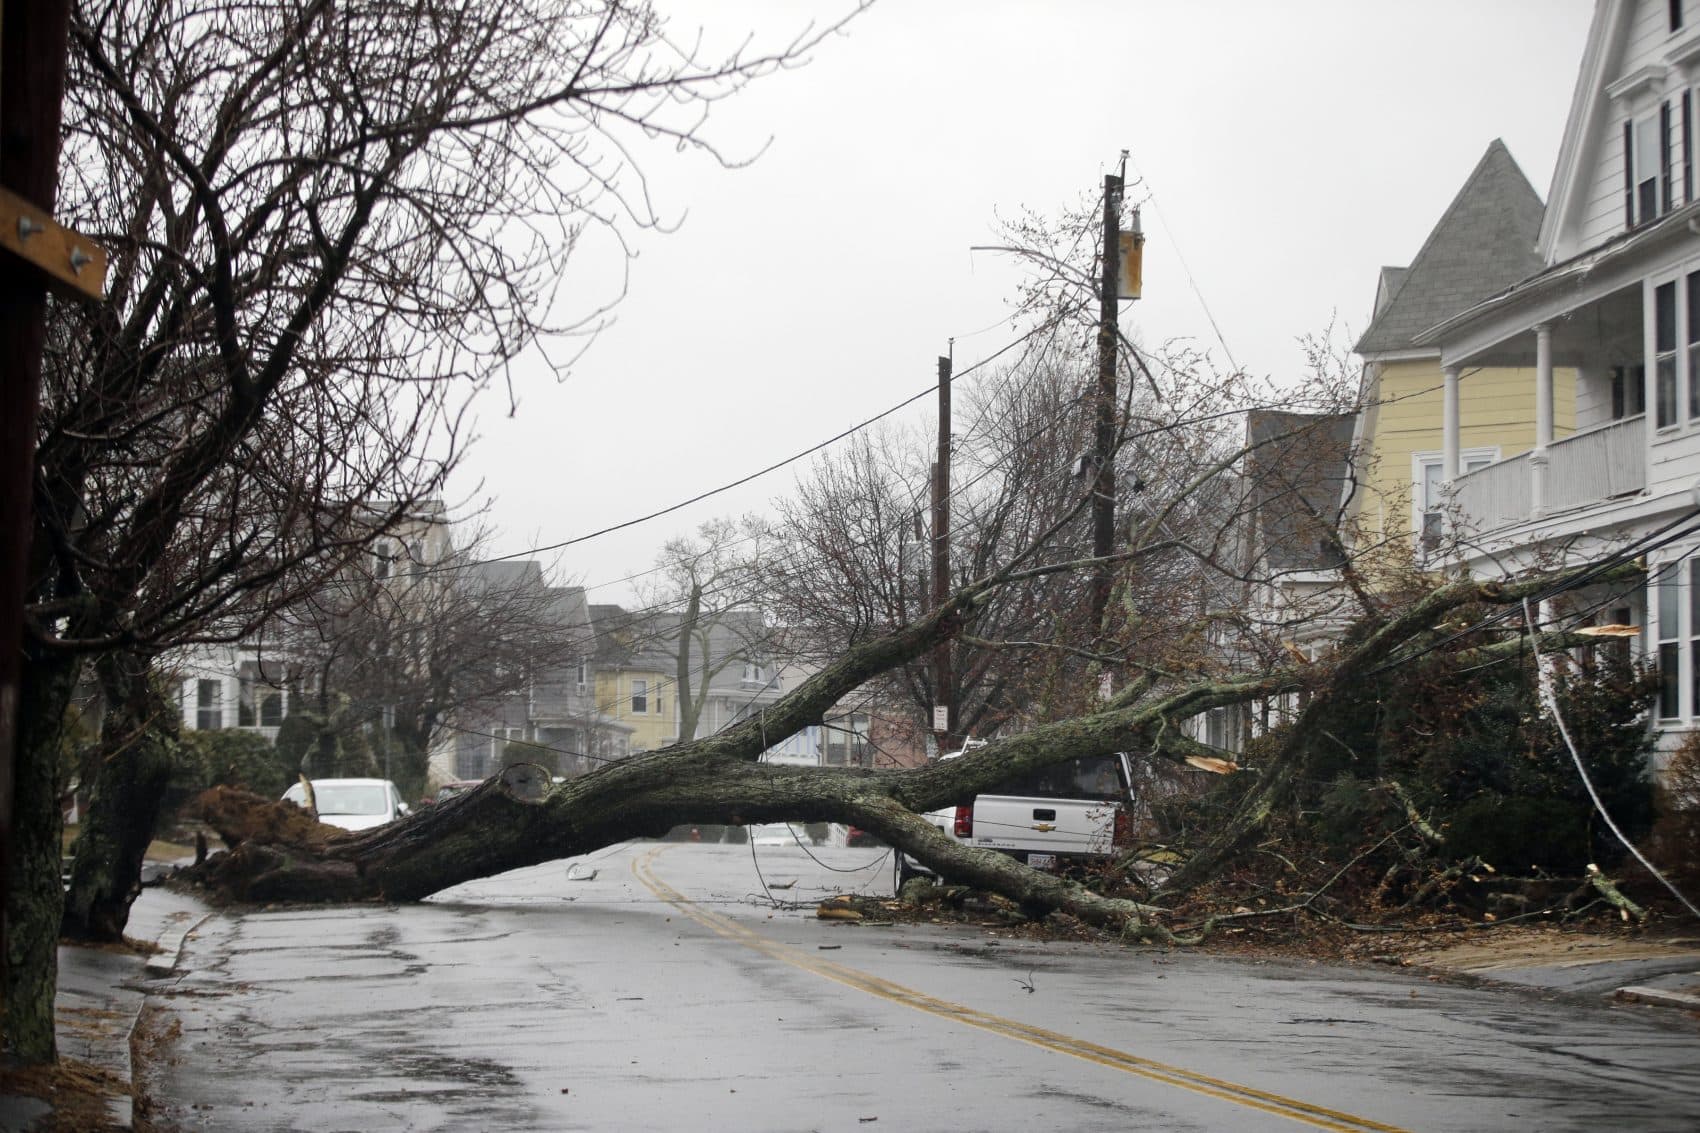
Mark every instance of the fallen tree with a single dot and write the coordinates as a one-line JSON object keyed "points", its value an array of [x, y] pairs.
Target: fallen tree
{"points": [[519, 818]]}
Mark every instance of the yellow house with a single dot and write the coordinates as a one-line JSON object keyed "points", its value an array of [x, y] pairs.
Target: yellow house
{"points": [[639, 696], [1483, 244], [634, 678]]}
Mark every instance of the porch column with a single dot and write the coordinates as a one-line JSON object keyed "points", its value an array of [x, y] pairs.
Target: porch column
{"points": [[1449, 428], [1543, 421]]}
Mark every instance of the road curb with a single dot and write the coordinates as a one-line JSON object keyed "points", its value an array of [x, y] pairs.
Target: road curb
{"points": [[170, 945], [1658, 997]]}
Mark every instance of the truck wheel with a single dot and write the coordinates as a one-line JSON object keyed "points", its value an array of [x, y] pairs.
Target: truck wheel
{"points": [[901, 872]]}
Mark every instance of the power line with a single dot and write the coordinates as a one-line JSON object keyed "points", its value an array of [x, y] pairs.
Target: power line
{"points": [[774, 467]]}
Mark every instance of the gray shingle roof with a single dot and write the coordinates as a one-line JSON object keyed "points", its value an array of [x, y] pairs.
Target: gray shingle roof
{"points": [[1484, 243]]}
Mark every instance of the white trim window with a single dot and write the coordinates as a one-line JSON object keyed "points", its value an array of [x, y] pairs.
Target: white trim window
{"points": [[640, 697], [1664, 353], [209, 705], [1672, 600], [1428, 496], [1673, 345], [1691, 340], [1646, 167]]}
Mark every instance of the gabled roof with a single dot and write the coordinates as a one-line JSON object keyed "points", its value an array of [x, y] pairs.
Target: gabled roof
{"points": [[633, 640], [1588, 102], [1484, 243], [504, 575]]}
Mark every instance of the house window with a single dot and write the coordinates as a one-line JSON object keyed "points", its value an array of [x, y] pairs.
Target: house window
{"points": [[381, 559], [1687, 148], [209, 705], [847, 741], [1664, 352], [1667, 586], [1431, 490], [1647, 182], [417, 555], [271, 708], [1675, 15], [583, 675], [1692, 334], [753, 674], [640, 697], [1628, 391]]}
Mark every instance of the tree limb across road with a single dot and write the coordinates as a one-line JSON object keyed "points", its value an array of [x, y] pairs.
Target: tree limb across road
{"points": [[519, 818]]}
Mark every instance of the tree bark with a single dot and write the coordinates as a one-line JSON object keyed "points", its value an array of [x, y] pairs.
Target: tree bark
{"points": [[140, 737], [34, 892]]}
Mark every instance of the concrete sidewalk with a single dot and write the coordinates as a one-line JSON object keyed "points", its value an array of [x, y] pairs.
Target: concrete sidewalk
{"points": [[1662, 973], [101, 995]]}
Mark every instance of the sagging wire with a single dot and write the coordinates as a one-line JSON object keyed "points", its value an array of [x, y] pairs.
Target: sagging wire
{"points": [[1549, 700], [794, 906]]}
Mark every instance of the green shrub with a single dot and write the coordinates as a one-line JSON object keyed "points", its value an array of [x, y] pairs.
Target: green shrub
{"points": [[231, 757], [1515, 834]]}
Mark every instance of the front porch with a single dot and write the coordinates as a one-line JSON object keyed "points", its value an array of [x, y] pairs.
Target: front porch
{"points": [[1623, 323], [1603, 463]]}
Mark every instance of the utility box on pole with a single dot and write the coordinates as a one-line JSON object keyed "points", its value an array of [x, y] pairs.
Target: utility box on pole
{"points": [[1131, 260]]}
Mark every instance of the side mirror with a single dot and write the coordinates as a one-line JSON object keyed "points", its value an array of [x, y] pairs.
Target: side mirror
{"points": [[403, 810]]}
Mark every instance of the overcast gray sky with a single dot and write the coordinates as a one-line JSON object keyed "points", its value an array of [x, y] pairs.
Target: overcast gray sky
{"points": [[1289, 150]]}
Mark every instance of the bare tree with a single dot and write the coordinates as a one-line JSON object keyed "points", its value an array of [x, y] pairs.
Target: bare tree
{"points": [[416, 643], [705, 609], [330, 223]]}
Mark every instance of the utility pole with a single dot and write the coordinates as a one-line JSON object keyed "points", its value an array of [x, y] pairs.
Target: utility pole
{"points": [[944, 696], [1104, 441], [35, 254]]}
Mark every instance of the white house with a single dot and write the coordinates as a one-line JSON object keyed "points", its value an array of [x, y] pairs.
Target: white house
{"points": [[1617, 299]]}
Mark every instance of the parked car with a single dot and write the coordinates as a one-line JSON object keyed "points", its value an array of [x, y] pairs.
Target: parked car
{"points": [[353, 804], [775, 834], [456, 787]]}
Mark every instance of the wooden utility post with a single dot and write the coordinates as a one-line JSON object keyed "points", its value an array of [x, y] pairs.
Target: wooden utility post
{"points": [[944, 694], [1104, 441], [36, 254]]}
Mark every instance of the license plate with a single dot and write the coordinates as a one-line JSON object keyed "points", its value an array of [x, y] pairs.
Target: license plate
{"points": [[1042, 861]]}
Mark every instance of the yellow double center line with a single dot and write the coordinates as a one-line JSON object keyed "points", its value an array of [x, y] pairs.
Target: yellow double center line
{"points": [[1300, 1111]]}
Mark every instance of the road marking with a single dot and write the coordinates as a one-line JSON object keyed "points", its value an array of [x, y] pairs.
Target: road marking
{"points": [[1317, 1116]]}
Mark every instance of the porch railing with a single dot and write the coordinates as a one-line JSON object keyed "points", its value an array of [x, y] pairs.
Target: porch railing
{"points": [[1493, 496], [1586, 468], [1597, 465]]}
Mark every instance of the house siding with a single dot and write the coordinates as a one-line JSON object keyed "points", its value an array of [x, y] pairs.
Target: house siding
{"points": [[1496, 409], [657, 727], [1647, 41]]}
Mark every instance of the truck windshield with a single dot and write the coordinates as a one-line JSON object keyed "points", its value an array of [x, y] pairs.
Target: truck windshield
{"points": [[1091, 777]]}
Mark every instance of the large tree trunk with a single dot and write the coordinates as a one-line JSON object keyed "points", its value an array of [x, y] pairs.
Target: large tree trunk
{"points": [[140, 744], [34, 891], [518, 819]]}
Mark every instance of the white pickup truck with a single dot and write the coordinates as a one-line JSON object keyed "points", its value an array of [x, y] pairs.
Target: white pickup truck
{"points": [[1071, 812]]}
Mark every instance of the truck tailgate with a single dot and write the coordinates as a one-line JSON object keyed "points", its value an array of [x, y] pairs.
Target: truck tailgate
{"points": [[1071, 827]]}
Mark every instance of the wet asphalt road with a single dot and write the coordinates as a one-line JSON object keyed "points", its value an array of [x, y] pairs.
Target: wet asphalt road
{"points": [[658, 995]]}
